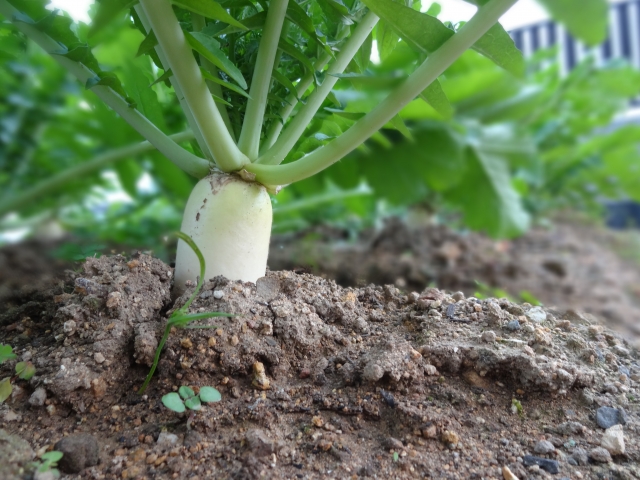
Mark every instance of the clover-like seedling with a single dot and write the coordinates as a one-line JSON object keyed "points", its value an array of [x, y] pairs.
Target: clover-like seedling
{"points": [[24, 371], [50, 462], [187, 398]]}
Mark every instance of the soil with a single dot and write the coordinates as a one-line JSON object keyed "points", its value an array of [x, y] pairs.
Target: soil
{"points": [[571, 265], [317, 381]]}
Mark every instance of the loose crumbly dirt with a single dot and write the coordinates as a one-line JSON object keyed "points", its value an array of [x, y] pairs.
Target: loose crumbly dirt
{"points": [[317, 381], [569, 265]]}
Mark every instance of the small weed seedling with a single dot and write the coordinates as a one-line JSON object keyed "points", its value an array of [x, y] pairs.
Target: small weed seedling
{"points": [[180, 318], [187, 398], [50, 462], [24, 371]]}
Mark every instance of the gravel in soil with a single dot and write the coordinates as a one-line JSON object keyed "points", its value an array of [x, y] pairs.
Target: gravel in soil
{"points": [[317, 381]]}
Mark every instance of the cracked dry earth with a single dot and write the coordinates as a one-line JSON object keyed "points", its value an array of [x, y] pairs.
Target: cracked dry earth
{"points": [[317, 381]]}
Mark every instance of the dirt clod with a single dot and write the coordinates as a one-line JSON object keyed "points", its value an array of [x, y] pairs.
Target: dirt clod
{"points": [[78, 452]]}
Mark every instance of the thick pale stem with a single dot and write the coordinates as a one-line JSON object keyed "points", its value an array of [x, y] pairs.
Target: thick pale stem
{"points": [[183, 64], [292, 99], [176, 88], [199, 23], [249, 141], [434, 66], [294, 130], [230, 222], [58, 181], [191, 164]]}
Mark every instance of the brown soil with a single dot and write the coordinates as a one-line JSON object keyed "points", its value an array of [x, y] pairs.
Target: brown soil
{"points": [[568, 266], [359, 382]]}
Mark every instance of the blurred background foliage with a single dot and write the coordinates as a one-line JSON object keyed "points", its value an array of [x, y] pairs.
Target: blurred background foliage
{"points": [[510, 153]]}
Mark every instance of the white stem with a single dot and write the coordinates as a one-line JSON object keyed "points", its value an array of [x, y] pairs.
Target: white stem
{"points": [[249, 141], [183, 64], [230, 221], [295, 129]]}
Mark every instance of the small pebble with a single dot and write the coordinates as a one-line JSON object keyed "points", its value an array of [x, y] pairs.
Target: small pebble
{"points": [[98, 357], [613, 440], [544, 446], [79, 451], [218, 294], [38, 397], [550, 466], [513, 325], [167, 439], [607, 417], [488, 336], [507, 474], [600, 455]]}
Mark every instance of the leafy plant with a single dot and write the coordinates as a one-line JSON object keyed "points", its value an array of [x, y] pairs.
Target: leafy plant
{"points": [[180, 318], [258, 84], [23, 371], [187, 398], [49, 462]]}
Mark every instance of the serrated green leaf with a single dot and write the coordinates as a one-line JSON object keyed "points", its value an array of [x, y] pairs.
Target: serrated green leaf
{"points": [[285, 82], [6, 353], [209, 48], [186, 392], [586, 19], [173, 402], [107, 11], [293, 52], [5, 389], [387, 39], [148, 44], [207, 75], [435, 96], [253, 22], [209, 9], [297, 15], [487, 197], [193, 403], [426, 34], [209, 394], [162, 78]]}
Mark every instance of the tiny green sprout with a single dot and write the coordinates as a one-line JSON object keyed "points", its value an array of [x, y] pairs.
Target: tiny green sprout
{"points": [[180, 318], [50, 462], [6, 353], [187, 398], [395, 456], [24, 371], [516, 406]]}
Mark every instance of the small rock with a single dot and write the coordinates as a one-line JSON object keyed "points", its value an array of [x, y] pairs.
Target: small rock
{"points": [[458, 296], [78, 452], [259, 443], [513, 325], [186, 343], [580, 456], [218, 294], [98, 357], [15, 455], [600, 455], [69, 327], [570, 428], [206, 294], [536, 315], [529, 328], [393, 444], [38, 397], [613, 440], [607, 417], [373, 372], [545, 464], [48, 475], [543, 447], [507, 474], [430, 370], [450, 438], [167, 440], [260, 380], [488, 336], [11, 416]]}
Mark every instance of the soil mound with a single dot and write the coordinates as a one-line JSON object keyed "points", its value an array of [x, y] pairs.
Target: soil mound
{"points": [[317, 380]]}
